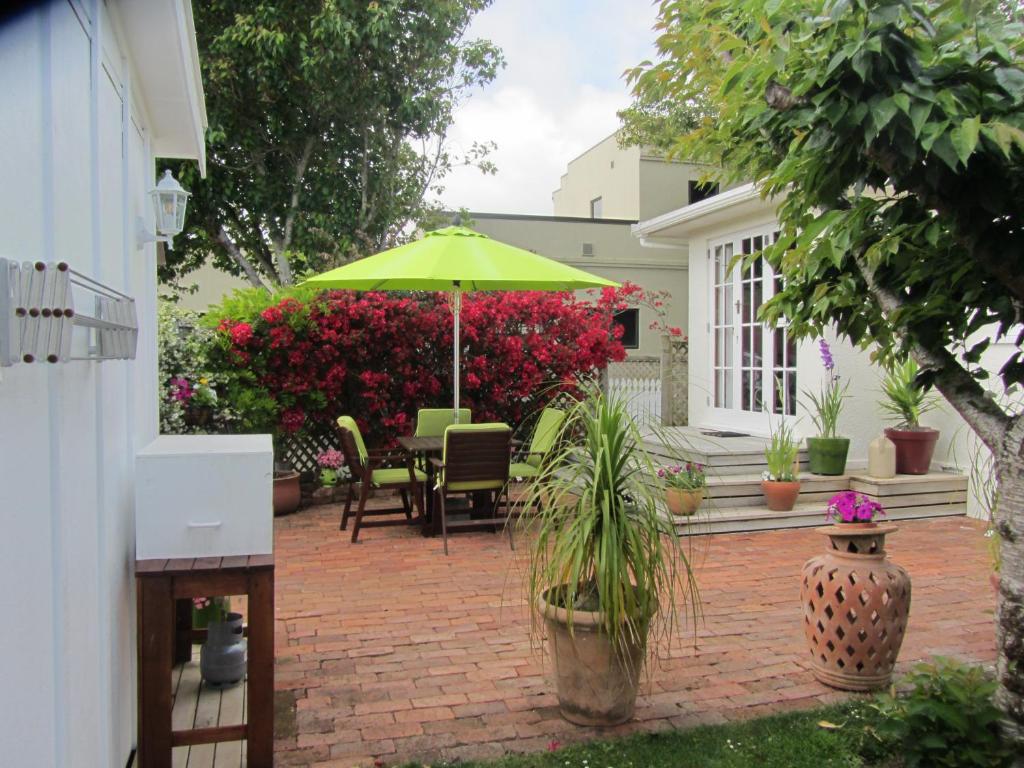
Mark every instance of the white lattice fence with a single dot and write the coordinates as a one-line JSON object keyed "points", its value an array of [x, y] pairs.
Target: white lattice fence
{"points": [[638, 382]]}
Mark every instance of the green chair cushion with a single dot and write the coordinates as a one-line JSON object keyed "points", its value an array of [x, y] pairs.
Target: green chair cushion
{"points": [[522, 469], [350, 424], [545, 434], [396, 476], [432, 422]]}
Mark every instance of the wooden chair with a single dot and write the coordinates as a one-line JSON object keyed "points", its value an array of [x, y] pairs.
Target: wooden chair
{"points": [[475, 460], [527, 461], [375, 469], [432, 422]]}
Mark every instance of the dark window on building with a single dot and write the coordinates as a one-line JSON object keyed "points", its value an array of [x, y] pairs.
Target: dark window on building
{"points": [[596, 208], [700, 191], [629, 319]]}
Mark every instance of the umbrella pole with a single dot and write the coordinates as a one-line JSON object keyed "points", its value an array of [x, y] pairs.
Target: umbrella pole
{"points": [[456, 311]]}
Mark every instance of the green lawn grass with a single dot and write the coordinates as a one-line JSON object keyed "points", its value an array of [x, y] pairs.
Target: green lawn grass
{"points": [[792, 740]]}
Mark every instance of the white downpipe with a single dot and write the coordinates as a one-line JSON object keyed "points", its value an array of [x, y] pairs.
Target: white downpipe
{"points": [[456, 311]]}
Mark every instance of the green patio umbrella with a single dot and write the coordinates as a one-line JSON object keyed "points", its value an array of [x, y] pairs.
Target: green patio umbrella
{"points": [[456, 260]]}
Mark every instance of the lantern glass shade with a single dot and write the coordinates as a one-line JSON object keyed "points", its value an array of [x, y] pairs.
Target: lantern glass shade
{"points": [[169, 202]]}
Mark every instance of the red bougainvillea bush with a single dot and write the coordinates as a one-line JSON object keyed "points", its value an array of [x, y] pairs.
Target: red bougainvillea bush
{"points": [[380, 357]]}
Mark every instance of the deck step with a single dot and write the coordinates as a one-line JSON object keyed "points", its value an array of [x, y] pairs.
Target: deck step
{"points": [[803, 515], [736, 504]]}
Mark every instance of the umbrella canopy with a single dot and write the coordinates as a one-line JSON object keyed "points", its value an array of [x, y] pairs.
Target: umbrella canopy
{"points": [[456, 260]]}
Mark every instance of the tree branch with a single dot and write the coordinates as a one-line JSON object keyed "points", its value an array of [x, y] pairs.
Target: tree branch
{"points": [[962, 390], [284, 268], [233, 251]]}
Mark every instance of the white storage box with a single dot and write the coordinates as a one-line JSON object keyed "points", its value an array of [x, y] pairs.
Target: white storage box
{"points": [[204, 496]]}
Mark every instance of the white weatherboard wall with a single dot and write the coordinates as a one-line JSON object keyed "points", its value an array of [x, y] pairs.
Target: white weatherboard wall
{"points": [[76, 159]]}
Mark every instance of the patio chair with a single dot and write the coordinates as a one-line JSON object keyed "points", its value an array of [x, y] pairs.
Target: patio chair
{"points": [[375, 469], [475, 460], [432, 422], [526, 464]]}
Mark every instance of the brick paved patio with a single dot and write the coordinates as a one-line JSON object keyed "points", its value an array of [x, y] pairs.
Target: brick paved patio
{"points": [[388, 650]]}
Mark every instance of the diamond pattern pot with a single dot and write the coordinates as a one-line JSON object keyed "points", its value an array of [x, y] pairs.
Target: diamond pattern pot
{"points": [[856, 605]]}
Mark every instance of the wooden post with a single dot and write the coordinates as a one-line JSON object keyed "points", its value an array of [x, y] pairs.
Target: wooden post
{"points": [[260, 690], [667, 384], [156, 646]]}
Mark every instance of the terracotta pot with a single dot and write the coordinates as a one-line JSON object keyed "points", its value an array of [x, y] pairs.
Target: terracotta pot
{"points": [[596, 685], [856, 605], [779, 496], [914, 449], [995, 580], [827, 455], [682, 502], [287, 493]]}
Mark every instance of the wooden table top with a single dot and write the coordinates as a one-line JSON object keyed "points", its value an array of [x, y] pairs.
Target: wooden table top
{"points": [[185, 565], [433, 444], [414, 444]]}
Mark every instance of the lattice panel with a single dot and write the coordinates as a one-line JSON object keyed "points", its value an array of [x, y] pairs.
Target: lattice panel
{"points": [[855, 616], [301, 450]]}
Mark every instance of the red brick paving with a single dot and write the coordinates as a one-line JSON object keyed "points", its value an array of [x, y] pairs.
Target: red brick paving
{"points": [[389, 650]]}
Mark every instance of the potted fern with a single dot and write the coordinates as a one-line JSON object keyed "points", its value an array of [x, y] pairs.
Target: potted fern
{"points": [[606, 570], [906, 402], [826, 453], [779, 483]]}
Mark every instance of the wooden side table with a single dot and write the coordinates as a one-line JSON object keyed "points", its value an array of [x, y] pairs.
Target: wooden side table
{"points": [[159, 584]]}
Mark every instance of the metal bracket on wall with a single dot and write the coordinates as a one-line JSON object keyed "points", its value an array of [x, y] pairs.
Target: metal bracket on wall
{"points": [[38, 315]]}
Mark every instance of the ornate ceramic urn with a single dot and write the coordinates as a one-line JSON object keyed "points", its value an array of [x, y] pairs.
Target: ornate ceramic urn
{"points": [[856, 604]]}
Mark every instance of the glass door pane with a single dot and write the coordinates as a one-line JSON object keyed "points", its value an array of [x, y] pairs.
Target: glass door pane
{"points": [[723, 325]]}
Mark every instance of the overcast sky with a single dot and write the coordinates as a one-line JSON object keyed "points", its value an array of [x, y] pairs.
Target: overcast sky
{"points": [[556, 97]]}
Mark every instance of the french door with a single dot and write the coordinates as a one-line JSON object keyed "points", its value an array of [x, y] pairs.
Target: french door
{"points": [[753, 364]]}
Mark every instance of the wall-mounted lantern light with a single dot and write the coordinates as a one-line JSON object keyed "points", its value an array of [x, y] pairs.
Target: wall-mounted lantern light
{"points": [[169, 202]]}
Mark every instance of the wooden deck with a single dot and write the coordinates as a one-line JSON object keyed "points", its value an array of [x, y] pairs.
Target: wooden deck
{"points": [[197, 705]]}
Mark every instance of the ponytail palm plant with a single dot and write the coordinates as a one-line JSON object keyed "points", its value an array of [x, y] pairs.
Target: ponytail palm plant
{"points": [[603, 544]]}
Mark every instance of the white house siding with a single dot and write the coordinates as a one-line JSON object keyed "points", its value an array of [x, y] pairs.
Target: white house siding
{"points": [[75, 163], [862, 418]]}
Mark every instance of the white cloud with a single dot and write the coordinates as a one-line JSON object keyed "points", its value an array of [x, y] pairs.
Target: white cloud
{"points": [[557, 97]]}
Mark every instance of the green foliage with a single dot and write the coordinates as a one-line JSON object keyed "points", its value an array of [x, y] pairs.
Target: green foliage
{"points": [[602, 543], [189, 387], [654, 122], [834, 737], [327, 128], [895, 130], [781, 453], [906, 400], [947, 720]]}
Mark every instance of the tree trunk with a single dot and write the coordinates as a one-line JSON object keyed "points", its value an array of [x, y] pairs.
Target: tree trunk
{"points": [[1010, 609]]}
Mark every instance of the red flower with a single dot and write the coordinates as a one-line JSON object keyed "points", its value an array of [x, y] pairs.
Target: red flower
{"points": [[241, 334]]}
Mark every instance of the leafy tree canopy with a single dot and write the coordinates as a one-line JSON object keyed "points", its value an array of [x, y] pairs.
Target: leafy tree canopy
{"points": [[893, 133], [328, 121]]}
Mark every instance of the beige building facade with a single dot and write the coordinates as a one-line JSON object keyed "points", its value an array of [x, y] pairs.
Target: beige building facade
{"points": [[610, 181]]}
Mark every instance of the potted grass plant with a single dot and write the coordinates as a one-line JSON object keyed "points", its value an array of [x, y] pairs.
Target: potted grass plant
{"points": [[826, 453], [607, 576], [779, 483], [905, 403]]}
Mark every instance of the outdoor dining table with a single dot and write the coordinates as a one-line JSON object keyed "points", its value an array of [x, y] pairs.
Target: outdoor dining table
{"points": [[427, 446]]}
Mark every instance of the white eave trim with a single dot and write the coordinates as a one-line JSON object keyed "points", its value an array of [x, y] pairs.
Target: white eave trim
{"points": [[691, 214]]}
